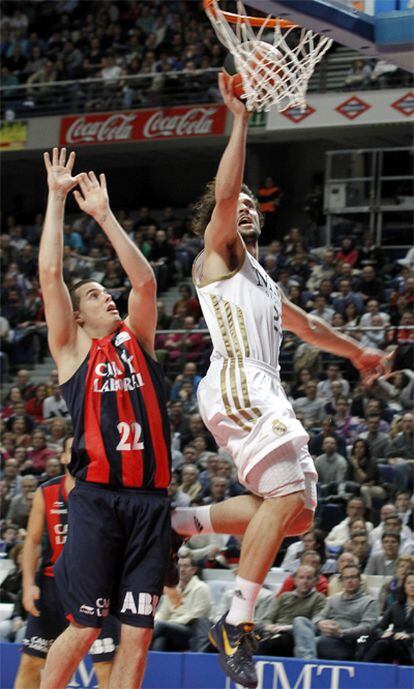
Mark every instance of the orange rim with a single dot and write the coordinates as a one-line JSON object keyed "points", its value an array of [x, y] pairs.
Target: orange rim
{"points": [[233, 18]]}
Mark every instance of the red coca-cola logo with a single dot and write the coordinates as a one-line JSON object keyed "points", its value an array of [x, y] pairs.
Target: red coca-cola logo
{"points": [[140, 125]]}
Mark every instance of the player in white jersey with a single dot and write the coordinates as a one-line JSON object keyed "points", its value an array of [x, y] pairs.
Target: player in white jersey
{"points": [[241, 398]]}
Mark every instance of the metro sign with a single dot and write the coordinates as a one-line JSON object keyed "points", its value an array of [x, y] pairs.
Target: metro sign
{"points": [[352, 108], [297, 114], [405, 104]]}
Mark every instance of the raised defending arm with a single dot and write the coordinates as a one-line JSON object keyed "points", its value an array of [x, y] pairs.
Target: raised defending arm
{"points": [[142, 304], [370, 362], [59, 314], [222, 229]]}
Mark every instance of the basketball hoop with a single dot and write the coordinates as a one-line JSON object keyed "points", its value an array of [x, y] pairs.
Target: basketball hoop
{"points": [[276, 70]]}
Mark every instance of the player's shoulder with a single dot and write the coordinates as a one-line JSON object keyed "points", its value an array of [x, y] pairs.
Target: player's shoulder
{"points": [[56, 481]]}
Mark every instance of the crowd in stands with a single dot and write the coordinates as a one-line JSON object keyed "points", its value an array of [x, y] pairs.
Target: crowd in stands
{"points": [[64, 40]]}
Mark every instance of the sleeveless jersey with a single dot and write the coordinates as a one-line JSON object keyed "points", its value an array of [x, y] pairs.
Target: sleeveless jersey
{"points": [[56, 523], [117, 402], [242, 312]]}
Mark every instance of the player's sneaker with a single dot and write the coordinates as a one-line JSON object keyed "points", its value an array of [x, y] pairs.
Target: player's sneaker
{"points": [[236, 645]]}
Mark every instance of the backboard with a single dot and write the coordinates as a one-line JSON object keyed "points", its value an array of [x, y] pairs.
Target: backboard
{"points": [[383, 29]]}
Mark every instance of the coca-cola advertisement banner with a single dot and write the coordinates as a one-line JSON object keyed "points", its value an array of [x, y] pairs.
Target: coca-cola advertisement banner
{"points": [[143, 125]]}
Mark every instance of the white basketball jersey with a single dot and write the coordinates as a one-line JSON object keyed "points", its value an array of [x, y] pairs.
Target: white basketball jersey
{"points": [[242, 312]]}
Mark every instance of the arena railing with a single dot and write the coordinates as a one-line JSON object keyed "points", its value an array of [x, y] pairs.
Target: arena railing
{"points": [[155, 89]]}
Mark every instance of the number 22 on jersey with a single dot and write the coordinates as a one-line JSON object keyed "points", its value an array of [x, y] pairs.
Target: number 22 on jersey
{"points": [[129, 432]]}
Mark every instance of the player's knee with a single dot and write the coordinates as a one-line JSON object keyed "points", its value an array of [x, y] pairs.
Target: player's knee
{"points": [[31, 663], [85, 635], [302, 523], [138, 638]]}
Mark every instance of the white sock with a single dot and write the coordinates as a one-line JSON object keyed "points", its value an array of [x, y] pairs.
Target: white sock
{"points": [[192, 520], [243, 602]]}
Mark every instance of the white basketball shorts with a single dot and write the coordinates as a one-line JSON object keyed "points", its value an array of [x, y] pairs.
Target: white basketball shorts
{"points": [[244, 406]]}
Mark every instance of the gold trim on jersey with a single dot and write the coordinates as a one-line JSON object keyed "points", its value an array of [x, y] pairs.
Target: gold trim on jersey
{"points": [[226, 276], [234, 363]]}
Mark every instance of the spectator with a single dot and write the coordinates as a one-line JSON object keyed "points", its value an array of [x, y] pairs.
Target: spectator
{"points": [[330, 465], [8, 538], [269, 197], [54, 406], [404, 508], [11, 586], [385, 563], [328, 428], [312, 559], [390, 589], [347, 296], [363, 471], [313, 409], [174, 624], [359, 75], [11, 477], [192, 307], [397, 627], [177, 496], [190, 483], [369, 286], [279, 635], [372, 309], [322, 310], [344, 618], [372, 256], [34, 405], [338, 536], [347, 253], [39, 453], [336, 584], [393, 522], [359, 546], [21, 504], [333, 373], [379, 443]]}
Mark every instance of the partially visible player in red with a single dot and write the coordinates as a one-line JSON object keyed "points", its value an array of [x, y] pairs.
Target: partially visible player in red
{"points": [[47, 529], [118, 544]]}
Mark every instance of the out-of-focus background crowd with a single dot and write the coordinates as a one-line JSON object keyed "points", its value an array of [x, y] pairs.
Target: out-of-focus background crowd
{"points": [[362, 438]]}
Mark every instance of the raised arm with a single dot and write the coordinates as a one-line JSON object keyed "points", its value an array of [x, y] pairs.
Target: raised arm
{"points": [[58, 308], [370, 362], [142, 302], [222, 229], [35, 528]]}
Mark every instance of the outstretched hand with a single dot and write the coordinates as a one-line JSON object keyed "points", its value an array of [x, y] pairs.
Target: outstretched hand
{"points": [[59, 172], [234, 104], [372, 363], [94, 198]]}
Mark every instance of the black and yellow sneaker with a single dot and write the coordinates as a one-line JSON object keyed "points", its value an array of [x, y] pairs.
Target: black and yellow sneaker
{"points": [[236, 645]]}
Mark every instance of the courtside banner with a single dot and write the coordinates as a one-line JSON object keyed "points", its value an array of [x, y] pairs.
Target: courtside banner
{"points": [[347, 109], [160, 124], [202, 671]]}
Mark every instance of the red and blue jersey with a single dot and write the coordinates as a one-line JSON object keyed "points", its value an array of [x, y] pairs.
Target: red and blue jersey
{"points": [[117, 402], [56, 522]]}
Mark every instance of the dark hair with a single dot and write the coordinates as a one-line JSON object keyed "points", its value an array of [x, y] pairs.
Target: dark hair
{"points": [[15, 552], [391, 534], [203, 208], [73, 292], [358, 534], [366, 447]]}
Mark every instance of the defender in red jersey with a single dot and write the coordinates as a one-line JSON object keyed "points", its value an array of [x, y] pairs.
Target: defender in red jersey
{"points": [[47, 529], [117, 550]]}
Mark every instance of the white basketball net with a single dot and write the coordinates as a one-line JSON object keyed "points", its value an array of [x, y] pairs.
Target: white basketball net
{"points": [[275, 72]]}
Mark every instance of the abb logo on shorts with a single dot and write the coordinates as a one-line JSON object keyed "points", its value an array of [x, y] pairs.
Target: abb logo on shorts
{"points": [[140, 125]]}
